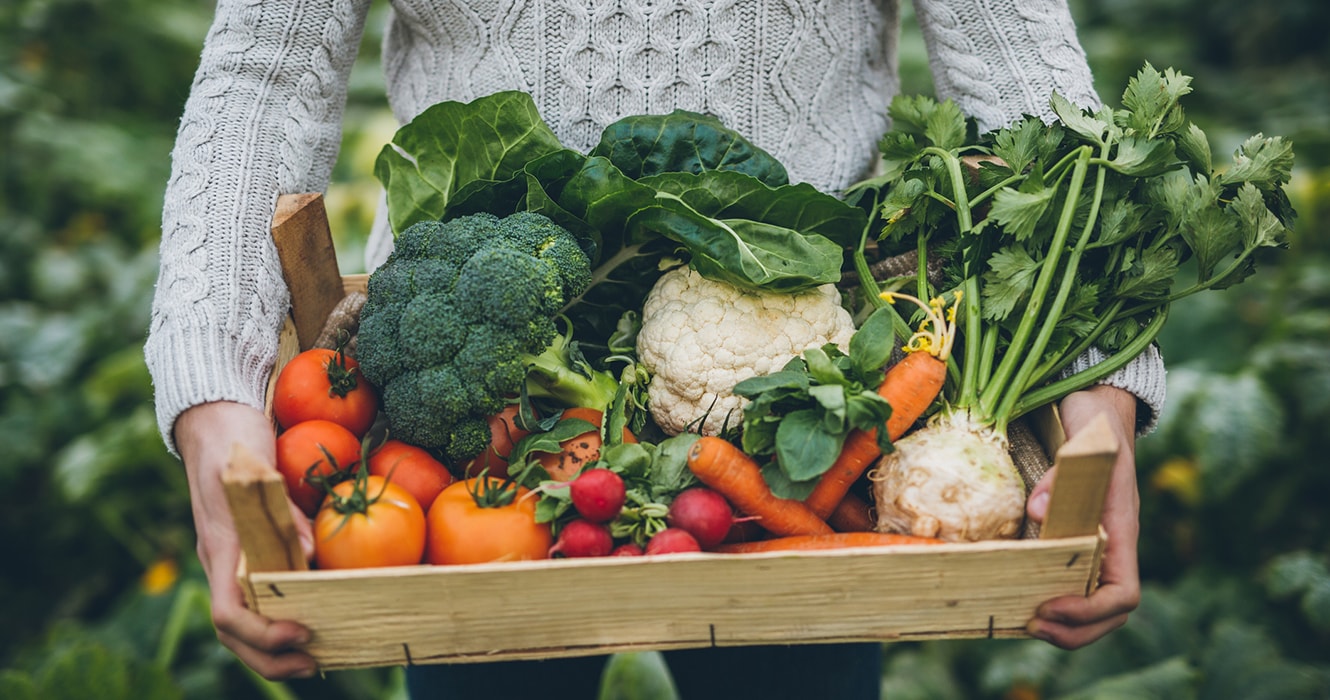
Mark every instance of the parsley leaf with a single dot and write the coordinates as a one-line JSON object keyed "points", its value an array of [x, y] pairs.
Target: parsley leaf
{"points": [[1008, 282]]}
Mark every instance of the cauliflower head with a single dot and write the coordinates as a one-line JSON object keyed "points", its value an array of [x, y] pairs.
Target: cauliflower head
{"points": [[700, 337]]}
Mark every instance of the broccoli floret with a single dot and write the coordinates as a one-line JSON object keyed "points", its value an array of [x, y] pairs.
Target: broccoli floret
{"points": [[461, 315]]}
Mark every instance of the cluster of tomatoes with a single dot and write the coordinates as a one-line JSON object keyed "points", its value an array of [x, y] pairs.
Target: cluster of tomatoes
{"points": [[385, 503]]}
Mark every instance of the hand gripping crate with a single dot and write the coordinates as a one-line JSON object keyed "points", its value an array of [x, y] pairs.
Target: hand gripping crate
{"points": [[570, 607]]}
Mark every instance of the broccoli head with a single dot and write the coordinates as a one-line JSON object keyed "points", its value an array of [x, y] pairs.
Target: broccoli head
{"points": [[455, 316]]}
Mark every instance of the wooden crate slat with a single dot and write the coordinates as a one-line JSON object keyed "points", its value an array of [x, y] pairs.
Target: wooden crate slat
{"points": [[570, 607]]}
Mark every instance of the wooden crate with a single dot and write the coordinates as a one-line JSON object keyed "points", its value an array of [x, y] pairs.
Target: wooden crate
{"points": [[570, 607]]}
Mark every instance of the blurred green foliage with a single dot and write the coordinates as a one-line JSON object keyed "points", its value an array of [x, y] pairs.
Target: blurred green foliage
{"points": [[102, 595]]}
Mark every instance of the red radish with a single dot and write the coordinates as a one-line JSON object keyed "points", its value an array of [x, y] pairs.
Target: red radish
{"points": [[672, 540], [704, 514], [583, 538], [627, 549], [597, 494]]}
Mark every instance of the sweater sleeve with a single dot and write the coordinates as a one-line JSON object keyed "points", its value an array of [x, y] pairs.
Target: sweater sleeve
{"points": [[1000, 60], [263, 118]]}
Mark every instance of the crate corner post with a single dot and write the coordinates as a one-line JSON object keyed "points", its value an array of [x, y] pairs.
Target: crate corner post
{"points": [[303, 238]]}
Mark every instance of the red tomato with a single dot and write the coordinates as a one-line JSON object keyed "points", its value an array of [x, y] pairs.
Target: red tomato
{"points": [[324, 384], [413, 468], [300, 456], [465, 527], [578, 451], [387, 528], [504, 433]]}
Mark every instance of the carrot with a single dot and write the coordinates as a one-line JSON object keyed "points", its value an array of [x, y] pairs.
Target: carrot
{"points": [[910, 386], [726, 468], [839, 540], [854, 514]]}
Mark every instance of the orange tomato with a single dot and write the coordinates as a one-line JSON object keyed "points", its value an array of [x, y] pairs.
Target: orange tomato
{"points": [[381, 526], [301, 458], [413, 468], [578, 451], [480, 520], [324, 384]]}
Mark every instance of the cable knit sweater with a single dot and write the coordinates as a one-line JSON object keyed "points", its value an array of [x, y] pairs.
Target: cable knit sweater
{"points": [[807, 80]]}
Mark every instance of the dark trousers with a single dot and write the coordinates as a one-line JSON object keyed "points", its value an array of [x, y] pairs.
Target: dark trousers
{"points": [[805, 672]]}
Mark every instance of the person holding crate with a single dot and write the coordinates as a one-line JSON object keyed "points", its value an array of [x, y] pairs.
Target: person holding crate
{"points": [[807, 81]]}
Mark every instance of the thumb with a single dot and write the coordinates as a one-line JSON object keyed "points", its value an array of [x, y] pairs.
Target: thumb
{"points": [[304, 531], [1037, 505]]}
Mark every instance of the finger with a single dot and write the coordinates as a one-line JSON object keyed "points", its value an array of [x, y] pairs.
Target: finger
{"points": [[273, 666], [1074, 637], [304, 531], [231, 617], [1036, 506], [1107, 602]]}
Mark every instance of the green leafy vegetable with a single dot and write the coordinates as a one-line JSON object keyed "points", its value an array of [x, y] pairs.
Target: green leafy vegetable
{"points": [[1075, 236]]}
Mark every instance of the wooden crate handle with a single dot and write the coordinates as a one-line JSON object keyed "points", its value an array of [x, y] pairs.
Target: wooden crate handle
{"points": [[262, 514], [1084, 465], [309, 262]]}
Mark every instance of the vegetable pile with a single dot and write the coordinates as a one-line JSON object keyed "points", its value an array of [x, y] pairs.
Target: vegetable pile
{"points": [[663, 346]]}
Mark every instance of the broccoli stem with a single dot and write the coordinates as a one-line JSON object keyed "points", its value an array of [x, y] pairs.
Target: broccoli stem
{"points": [[556, 374]]}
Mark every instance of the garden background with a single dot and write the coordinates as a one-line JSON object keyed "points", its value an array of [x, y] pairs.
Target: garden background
{"points": [[101, 594]]}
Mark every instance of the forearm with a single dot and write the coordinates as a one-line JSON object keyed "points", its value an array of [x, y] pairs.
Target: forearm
{"points": [[263, 118], [1002, 59]]}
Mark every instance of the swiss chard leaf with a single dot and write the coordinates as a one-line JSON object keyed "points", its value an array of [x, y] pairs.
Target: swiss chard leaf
{"points": [[733, 195], [688, 142], [452, 144], [748, 254]]}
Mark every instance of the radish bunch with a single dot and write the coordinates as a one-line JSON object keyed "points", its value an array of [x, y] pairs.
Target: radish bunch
{"points": [[698, 519]]}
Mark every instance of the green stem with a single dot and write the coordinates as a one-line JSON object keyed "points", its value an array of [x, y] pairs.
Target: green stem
{"points": [[1109, 316], [979, 198], [973, 311], [1035, 355], [1017, 349], [1052, 392], [867, 283], [986, 356]]}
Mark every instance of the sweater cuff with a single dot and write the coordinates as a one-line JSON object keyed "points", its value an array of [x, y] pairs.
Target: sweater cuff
{"points": [[1143, 377], [193, 367]]}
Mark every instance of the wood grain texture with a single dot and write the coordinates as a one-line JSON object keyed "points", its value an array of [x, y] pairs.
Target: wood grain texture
{"points": [[309, 263], [262, 514], [569, 607], [1084, 465]]}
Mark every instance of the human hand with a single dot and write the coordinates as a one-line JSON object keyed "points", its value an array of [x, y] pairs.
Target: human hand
{"points": [[1071, 622], [205, 435]]}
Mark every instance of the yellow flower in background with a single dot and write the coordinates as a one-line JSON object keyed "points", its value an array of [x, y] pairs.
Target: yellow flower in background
{"points": [[1181, 477], [160, 577]]}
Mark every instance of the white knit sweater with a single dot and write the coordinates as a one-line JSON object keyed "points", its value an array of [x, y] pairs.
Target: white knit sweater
{"points": [[807, 80]]}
